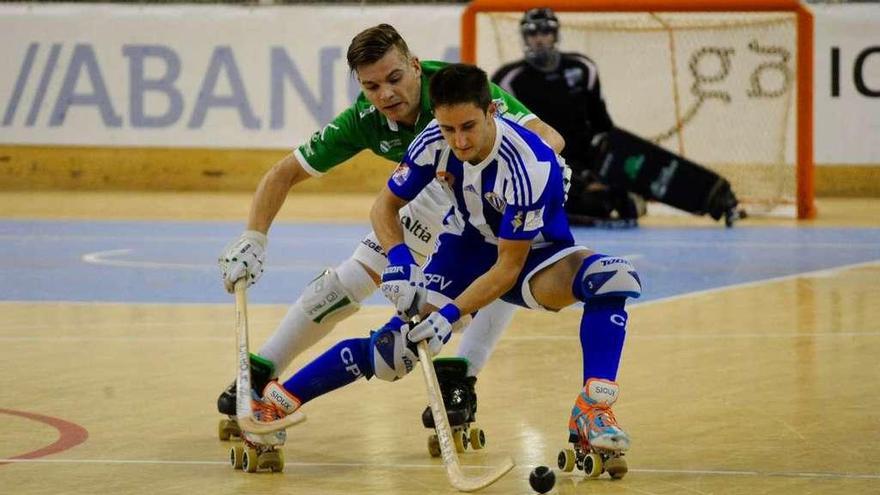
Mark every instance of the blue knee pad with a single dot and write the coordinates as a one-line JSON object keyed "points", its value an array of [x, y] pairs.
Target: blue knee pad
{"points": [[606, 276], [392, 356]]}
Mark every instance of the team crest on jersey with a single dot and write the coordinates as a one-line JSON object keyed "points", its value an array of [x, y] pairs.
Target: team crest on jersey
{"points": [[446, 178], [401, 173], [500, 106], [495, 201], [573, 76]]}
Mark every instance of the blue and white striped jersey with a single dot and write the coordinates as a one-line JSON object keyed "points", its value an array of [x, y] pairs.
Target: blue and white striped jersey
{"points": [[515, 193]]}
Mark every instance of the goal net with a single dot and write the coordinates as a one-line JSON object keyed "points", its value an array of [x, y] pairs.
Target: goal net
{"points": [[719, 87]]}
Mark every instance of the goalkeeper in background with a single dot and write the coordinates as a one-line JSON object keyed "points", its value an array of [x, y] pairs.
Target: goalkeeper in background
{"points": [[563, 90]]}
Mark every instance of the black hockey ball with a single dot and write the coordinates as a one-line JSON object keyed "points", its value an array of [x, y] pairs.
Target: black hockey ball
{"points": [[542, 479]]}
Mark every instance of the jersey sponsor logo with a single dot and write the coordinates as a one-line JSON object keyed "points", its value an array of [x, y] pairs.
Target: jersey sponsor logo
{"points": [[471, 189], [401, 173], [367, 111], [534, 219], [436, 278], [385, 146], [495, 201], [633, 165], [618, 320], [393, 269], [517, 221], [416, 228]]}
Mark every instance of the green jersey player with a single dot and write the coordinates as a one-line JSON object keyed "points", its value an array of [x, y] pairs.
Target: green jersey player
{"points": [[392, 108]]}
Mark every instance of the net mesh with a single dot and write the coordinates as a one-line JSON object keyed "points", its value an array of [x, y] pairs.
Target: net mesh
{"points": [[718, 88]]}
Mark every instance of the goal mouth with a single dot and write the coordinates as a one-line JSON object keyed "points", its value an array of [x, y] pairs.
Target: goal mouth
{"points": [[725, 84]]}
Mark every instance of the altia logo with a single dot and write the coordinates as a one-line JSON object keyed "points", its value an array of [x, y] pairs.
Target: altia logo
{"points": [[416, 228]]}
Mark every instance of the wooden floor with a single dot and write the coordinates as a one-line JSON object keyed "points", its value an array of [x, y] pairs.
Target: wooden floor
{"points": [[763, 388]]}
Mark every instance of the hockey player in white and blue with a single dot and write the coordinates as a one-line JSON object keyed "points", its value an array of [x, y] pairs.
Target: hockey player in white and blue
{"points": [[507, 237]]}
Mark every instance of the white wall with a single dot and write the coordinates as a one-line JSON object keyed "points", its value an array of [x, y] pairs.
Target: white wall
{"points": [[847, 95], [202, 76], [188, 75]]}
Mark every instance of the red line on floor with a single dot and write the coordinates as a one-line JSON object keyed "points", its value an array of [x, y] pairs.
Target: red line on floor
{"points": [[70, 435]]}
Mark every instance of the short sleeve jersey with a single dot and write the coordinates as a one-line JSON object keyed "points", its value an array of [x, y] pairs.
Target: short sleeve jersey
{"points": [[515, 193], [362, 126]]}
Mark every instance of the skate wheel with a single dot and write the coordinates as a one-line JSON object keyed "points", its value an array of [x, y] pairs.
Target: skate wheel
{"points": [[434, 446], [235, 456], [250, 460], [566, 460], [461, 440], [478, 438], [272, 460], [616, 467], [227, 428], [592, 465]]}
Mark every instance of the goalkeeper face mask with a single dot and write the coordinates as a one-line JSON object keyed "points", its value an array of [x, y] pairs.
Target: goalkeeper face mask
{"points": [[540, 33], [540, 50]]}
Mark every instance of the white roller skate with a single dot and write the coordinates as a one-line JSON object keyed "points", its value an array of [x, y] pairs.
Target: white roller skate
{"points": [[597, 441], [262, 452]]}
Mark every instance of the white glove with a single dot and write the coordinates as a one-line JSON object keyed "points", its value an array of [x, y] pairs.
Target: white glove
{"points": [[403, 282], [436, 328], [243, 258]]}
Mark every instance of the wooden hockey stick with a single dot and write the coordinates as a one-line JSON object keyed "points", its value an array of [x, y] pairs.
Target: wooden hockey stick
{"points": [[444, 433], [243, 409]]}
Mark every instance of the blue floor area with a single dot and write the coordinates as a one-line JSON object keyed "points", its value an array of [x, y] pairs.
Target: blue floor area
{"points": [[175, 262]]}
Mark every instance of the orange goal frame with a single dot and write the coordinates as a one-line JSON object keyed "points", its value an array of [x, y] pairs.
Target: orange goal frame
{"points": [[804, 149]]}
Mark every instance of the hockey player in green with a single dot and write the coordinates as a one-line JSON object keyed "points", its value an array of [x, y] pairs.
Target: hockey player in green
{"points": [[391, 110]]}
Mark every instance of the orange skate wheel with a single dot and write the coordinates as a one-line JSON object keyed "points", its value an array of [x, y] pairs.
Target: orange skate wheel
{"points": [[434, 446], [616, 467]]}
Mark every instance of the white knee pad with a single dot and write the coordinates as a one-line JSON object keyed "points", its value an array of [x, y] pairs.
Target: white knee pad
{"points": [[335, 294], [391, 355], [602, 275]]}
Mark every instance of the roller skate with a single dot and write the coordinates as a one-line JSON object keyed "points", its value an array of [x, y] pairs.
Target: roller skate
{"points": [[262, 370], [597, 441], [262, 452], [460, 400]]}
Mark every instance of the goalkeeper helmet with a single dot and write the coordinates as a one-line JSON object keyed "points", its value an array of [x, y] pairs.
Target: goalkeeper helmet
{"points": [[539, 50], [541, 20]]}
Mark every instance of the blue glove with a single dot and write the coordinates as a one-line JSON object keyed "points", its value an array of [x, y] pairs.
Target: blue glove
{"points": [[403, 282]]}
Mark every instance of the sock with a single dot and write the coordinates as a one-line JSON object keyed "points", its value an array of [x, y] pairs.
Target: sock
{"points": [[603, 330], [480, 337], [342, 364]]}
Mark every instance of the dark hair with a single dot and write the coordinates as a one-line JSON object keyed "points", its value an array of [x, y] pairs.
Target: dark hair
{"points": [[460, 83], [372, 44]]}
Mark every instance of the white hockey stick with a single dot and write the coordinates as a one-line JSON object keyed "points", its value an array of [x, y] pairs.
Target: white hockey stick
{"points": [[444, 433], [243, 409]]}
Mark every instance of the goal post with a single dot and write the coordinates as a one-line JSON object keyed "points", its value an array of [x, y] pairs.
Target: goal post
{"points": [[727, 83]]}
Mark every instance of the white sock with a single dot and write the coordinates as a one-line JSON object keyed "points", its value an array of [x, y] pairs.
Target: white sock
{"points": [[480, 337]]}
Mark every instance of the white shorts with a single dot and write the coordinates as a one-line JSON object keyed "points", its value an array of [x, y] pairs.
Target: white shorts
{"points": [[422, 221]]}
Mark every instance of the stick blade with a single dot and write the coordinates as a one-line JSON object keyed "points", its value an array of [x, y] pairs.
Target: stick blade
{"points": [[250, 425], [463, 484]]}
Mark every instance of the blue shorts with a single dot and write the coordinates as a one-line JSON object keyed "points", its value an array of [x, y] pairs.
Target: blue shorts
{"points": [[458, 260]]}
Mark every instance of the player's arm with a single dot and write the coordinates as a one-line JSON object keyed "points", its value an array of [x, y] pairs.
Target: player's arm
{"points": [[273, 190], [499, 279], [339, 140], [384, 217], [547, 133]]}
